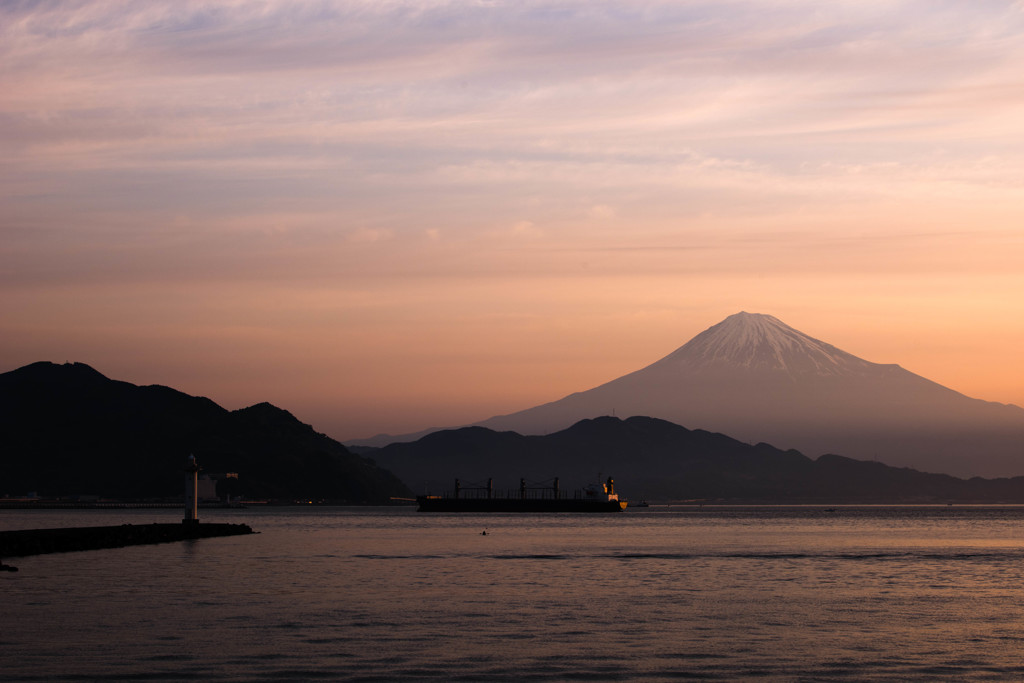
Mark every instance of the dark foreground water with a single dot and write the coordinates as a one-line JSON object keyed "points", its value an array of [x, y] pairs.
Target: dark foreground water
{"points": [[787, 594]]}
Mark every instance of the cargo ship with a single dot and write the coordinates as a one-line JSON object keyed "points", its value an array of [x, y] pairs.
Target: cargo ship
{"points": [[600, 497]]}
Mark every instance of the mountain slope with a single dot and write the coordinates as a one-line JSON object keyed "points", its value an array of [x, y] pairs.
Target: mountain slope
{"points": [[756, 379], [67, 430], [664, 461]]}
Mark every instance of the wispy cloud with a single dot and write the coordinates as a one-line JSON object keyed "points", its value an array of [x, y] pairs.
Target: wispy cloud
{"points": [[387, 145]]}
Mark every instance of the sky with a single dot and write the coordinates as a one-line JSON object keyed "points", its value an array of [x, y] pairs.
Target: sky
{"points": [[390, 216]]}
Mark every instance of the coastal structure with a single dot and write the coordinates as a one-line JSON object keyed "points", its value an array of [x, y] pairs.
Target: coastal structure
{"points": [[24, 542], [20, 543], [191, 492]]}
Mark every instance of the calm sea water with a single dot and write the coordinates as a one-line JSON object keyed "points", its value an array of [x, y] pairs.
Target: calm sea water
{"points": [[663, 594]]}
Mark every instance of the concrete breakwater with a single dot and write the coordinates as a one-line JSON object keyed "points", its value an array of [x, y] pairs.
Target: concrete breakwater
{"points": [[21, 543], [7, 504]]}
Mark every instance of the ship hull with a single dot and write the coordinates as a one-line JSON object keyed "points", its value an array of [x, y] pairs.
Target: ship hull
{"points": [[445, 504]]}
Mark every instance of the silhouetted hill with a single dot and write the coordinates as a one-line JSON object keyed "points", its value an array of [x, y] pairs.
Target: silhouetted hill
{"points": [[664, 461], [69, 430]]}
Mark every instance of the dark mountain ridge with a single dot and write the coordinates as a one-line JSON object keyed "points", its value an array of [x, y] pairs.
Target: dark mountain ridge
{"points": [[660, 460], [69, 430]]}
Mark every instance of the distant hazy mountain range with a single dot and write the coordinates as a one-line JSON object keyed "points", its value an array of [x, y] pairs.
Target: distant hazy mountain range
{"points": [[661, 461], [758, 380], [67, 430]]}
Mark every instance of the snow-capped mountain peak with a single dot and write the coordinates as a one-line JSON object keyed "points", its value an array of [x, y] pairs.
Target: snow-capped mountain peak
{"points": [[755, 341], [758, 380]]}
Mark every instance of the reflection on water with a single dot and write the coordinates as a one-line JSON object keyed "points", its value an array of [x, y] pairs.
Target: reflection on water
{"points": [[657, 594]]}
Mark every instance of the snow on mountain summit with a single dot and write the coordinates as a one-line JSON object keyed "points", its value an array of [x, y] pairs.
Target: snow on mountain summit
{"points": [[755, 341]]}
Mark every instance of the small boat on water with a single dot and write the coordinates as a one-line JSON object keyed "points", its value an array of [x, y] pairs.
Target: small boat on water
{"points": [[600, 497]]}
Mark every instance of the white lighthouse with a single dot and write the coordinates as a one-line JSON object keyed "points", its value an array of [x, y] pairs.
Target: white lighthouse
{"points": [[191, 492]]}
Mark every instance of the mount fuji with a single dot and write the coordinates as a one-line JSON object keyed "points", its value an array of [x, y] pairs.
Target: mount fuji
{"points": [[756, 379]]}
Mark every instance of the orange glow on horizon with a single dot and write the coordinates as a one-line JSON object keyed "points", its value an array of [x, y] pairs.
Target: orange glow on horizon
{"points": [[439, 213]]}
